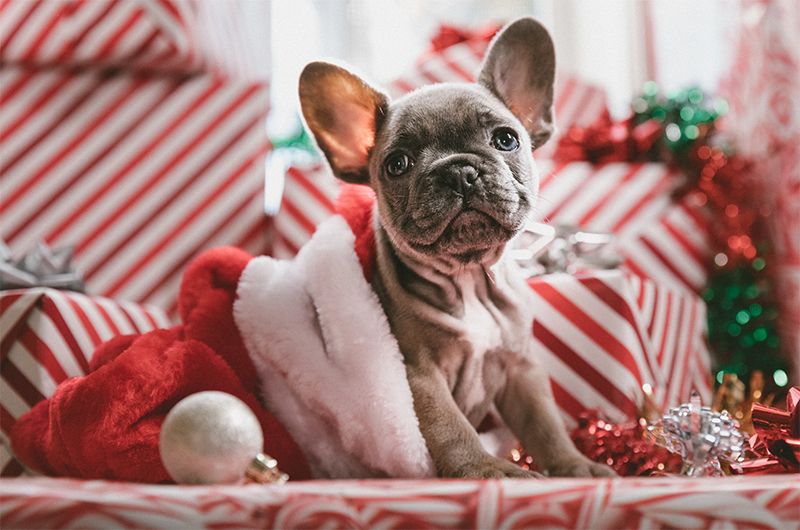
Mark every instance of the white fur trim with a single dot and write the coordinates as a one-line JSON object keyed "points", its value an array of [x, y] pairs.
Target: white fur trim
{"points": [[330, 367]]}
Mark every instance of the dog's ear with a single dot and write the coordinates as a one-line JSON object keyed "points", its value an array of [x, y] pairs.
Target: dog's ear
{"points": [[520, 69], [344, 113]]}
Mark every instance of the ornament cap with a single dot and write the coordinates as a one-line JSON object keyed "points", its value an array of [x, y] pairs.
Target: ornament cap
{"points": [[263, 469]]}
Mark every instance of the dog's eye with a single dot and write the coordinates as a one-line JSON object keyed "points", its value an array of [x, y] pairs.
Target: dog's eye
{"points": [[398, 163], [505, 140]]}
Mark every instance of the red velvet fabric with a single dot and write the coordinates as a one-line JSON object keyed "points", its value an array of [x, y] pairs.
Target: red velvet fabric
{"points": [[106, 423], [355, 203]]}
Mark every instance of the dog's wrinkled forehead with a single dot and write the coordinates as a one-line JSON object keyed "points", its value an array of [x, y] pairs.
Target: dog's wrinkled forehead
{"points": [[444, 116]]}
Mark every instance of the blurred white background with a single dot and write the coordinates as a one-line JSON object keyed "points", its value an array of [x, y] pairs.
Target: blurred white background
{"points": [[617, 44]]}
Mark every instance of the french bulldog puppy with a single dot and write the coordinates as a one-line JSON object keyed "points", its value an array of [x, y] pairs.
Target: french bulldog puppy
{"points": [[452, 168]]}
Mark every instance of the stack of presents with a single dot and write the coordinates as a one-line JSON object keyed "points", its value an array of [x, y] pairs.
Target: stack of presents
{"points": [[125, 139]]}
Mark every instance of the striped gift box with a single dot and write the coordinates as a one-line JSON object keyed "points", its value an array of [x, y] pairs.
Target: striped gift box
{"points": [[577, 103], [47, 336], [656, 503], [308, 199], [659, 239], [133, 33], [139, 173], [604, 334]]}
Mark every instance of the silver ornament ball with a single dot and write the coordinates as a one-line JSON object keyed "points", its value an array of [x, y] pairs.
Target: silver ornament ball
{"points": [[209, 438]]}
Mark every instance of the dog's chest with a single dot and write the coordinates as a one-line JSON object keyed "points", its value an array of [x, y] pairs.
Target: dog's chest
{"points": [[479, 326], [477, 371]]}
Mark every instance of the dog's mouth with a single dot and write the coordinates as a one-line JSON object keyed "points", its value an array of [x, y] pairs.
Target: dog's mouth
{"points": [[469, 237]]}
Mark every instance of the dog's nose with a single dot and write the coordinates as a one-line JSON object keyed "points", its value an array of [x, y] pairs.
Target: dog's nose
{"points": [[461, 177]]}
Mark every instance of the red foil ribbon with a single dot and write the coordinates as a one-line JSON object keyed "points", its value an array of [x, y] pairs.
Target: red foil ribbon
{"points": [[776, 442], [609, 141], [451, 35], [624, 447]]}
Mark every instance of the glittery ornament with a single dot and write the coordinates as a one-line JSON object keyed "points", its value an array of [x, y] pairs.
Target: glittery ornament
{"points": [[213, 437], [687, 117], [702, 437]]}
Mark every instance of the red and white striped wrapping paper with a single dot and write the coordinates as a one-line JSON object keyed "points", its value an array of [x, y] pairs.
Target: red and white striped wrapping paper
{"points": [[768, 502], [604, 334], [139, 173], [659, 239], [577, 103], [308, 199], [763, 89], [47, 336], [153, 34]]}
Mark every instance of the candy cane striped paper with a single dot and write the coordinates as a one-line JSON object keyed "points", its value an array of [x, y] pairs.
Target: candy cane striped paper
{"points": [[308, 199], [768, 502], [577, 103], [133, 33], [604, 334], [47, 336], [763, 90], [659, 239], [139, 173], [674, 323]]}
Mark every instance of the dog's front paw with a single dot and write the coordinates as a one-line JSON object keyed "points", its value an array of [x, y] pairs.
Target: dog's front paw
{"points": [[494, 468], [580, 467]]}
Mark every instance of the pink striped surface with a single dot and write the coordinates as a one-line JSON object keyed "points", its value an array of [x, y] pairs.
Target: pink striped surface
{"points": [[153, 34], [768, 502], [139, 173], [47, 336]]}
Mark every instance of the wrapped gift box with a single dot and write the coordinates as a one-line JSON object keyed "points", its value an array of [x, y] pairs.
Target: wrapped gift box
{"points": [[133, 33], [752, 502], [659, 238], [309, 192], [47, 336], [603, 335], [138, 172], [167, 36]]}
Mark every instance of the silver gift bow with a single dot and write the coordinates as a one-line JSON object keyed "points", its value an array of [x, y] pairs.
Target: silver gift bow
{"points": [[542, 248], [39, 267], [702, 437]]}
